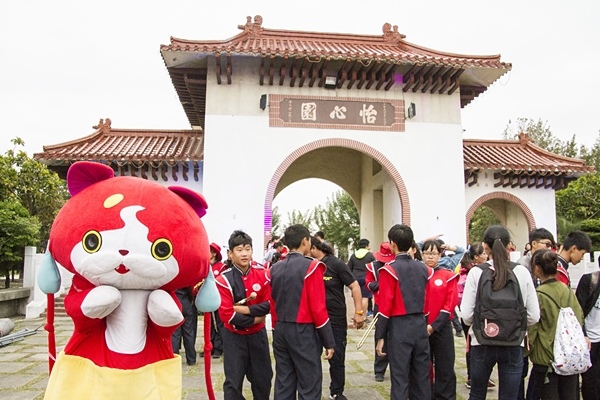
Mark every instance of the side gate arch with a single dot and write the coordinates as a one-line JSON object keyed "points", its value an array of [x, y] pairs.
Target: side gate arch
{"points": [[501, 196]]}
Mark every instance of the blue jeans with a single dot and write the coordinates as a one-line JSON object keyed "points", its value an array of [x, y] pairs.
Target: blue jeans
{"points": [[510, 368]]}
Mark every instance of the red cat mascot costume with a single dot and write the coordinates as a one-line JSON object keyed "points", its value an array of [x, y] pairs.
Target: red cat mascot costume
{"points": [[129, 243]]}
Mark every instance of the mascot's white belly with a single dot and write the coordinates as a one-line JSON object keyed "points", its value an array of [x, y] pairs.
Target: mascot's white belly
{"points": [[126, 325]]}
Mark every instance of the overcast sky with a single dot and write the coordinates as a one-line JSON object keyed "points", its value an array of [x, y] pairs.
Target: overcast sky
{"points": [[66, 64]]}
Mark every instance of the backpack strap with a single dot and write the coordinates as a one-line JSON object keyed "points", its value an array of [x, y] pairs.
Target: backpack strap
{"points": [[554, 300]]}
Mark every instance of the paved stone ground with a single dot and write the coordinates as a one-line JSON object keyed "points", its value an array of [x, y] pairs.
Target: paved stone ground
{"points": [[24, 367]]}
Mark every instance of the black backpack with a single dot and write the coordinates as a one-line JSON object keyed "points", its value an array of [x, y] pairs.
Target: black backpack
{"points": [[500, 317]]}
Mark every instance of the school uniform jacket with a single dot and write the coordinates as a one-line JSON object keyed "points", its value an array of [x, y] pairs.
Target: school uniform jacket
{"points": [[561, 272], [234, 286], [402, 287], [442, 297], [298, 294], [372, 278], [218, 267]]}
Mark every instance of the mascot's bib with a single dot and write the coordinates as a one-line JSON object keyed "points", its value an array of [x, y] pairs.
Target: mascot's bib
{"points": [[78, 378]]}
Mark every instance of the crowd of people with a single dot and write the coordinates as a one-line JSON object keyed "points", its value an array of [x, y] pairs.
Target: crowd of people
{"points": [[418, 291]]}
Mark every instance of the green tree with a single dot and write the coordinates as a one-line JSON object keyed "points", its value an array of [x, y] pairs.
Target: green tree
{"points": [[275, 221], [592, 155], [17, 230], [339, 221], [297, 217], [38, 189], [483, 217], [541, 134], [580, 200]]}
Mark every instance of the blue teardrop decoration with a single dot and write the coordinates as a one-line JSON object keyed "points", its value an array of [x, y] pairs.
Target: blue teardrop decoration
{"points": [[49, 277], [208, 298]]}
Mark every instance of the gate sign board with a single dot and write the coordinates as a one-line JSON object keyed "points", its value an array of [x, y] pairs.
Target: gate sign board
{"points": [[336, 113]]}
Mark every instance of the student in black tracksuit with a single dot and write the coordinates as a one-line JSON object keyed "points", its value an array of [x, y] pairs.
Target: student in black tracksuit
{"points": [[300, 320], [336, 278], [189, 329], [401, 325]]}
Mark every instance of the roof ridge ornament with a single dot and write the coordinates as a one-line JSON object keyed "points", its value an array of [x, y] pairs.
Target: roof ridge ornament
{"points": [[253, 28], [524, 139], [103, 127], [392, 36]]}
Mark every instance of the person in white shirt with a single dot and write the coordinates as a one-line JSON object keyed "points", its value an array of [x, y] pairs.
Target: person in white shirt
{"points": [[483, 357]]}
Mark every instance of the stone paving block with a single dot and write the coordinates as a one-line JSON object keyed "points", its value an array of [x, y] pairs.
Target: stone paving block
{"points": [[9, 357], [13, 367], [15, 381], [22, 395]]}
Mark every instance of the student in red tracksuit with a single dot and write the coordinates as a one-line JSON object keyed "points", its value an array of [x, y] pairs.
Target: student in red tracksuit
{"points": [[442, 297], [245, 344], [401, 324], [300, 320], [383, 256]]}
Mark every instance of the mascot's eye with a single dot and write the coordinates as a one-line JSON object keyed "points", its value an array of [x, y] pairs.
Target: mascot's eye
{"points": [[162, 249], [92, 241]]}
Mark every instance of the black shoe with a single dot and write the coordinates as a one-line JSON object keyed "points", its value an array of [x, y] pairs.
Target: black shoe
{"points": [[190, 363], [216, 356], [201, 354], [378, 377], [337, 397], [459, 334]]}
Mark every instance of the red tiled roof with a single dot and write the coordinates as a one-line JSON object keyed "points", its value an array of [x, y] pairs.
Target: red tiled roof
{"points": [[298, 58], [390, 47], [126, 145], [518, 156]]}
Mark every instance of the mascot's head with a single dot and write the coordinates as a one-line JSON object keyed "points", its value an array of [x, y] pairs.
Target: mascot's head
{"points": [[130, 233]]}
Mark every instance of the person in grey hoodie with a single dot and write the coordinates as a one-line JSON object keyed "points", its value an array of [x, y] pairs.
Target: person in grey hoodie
{"points": [[358, 265]]}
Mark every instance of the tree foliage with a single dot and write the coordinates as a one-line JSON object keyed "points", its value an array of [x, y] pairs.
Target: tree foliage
{"points": [[275, 221], [17, 230], [580, 200], [339, 221], [38, 189], [540, 133], [483, 217], [297, 217]]}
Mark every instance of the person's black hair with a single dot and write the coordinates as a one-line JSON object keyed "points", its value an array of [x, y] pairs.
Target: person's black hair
{"points": [[276, 256], [497, 238], [546, 260], [294, 234], [363, 243], [539, 234], [402, 235], [433, 244], [578, 239], [417, 253], [314, 241], [320, 234], [475, 250], [239, 238], [276, 245]]}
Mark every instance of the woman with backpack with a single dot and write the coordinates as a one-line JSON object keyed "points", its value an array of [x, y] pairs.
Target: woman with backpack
{"points": [[552, 295], [499, 302]]}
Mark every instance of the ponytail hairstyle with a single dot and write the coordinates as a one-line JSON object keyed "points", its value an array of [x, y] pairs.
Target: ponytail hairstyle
{"points": [[497, 239], [546, 260], [321, 246]]}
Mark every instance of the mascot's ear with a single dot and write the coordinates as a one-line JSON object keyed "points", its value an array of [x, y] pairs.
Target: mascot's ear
{"points": [[49, 277], [84, 173], [208, 298], [195, 200]]}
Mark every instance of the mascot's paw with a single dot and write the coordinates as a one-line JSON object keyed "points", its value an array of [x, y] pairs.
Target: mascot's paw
{"points": [[163, 310], [101, 301]]}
